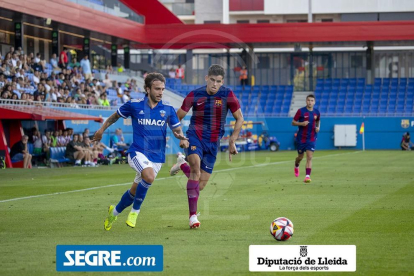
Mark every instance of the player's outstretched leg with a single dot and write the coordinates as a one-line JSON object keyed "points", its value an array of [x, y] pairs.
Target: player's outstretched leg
{"points": [[110, 218], [113, 212], [140, 194], [180, 165]]}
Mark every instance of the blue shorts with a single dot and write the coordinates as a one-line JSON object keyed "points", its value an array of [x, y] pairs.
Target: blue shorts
{"points": [[207, 152], [17, 157], [303, 147]]}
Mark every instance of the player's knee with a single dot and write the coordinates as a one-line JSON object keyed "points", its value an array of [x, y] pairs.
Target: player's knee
{"points": [[149, 178]]}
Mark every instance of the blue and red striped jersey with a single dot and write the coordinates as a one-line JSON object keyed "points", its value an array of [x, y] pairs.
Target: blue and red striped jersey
{"points": [[209, 112], [307, 133]]}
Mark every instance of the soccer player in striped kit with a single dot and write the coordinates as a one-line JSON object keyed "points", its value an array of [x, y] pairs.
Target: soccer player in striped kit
{"points": [[308, 119], [210, 104]]}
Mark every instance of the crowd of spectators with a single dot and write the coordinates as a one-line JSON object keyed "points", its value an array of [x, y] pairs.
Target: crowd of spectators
{"points": [[80, 149], [30, 78]]}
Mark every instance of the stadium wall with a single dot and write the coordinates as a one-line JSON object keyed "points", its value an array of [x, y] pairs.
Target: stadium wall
{"points": [[380, 132]]}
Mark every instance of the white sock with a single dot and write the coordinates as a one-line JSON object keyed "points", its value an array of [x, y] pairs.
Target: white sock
{"points": [[115, 212], [78, 162], [308, 175], [135, 211]]}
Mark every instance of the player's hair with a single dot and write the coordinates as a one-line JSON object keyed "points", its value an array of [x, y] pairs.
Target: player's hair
{"points": [[150, 78], [216, 70], [310, 96]]}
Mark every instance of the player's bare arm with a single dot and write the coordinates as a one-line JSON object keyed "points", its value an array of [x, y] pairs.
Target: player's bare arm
{"points": [[296, 123], [112, 119], [178, 133], [318, 126], [238, 116], [181, 114]]}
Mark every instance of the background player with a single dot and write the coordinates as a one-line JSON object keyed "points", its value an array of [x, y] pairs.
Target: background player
{"points": [[308, 119], [147, 152], [210, 105]]}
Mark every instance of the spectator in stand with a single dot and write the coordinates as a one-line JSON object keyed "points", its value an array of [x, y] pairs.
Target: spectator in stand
{"points": [[126, 97], [171, 73], [36, 66], [243, 77], [109, 69], [179, 72], [74, 151], [86, 68], [121, 68], [103, 100], [107, 81], [36, 77], [54, 63], [20, 152], [74, 63], [63, 58], [70, 133]]}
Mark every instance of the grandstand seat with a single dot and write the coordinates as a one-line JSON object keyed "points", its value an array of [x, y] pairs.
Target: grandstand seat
{"points": [[377, 82], [344, 82], [336, 82], [394, 82], [386, 82], [57, 155], [358, 97]]}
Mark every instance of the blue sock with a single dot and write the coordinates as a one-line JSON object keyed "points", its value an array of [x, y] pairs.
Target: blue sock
{"points": [[126, 200], [142, 190]]}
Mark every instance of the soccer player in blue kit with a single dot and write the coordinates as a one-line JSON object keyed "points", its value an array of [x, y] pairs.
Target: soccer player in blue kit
{"points": [[308, 119], [146, 154], [210, 104]]}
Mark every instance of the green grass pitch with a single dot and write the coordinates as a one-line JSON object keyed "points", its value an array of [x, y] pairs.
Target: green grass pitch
{"points": [[358, 198]]}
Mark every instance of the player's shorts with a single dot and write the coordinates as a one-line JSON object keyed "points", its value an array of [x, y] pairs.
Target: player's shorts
{"points": [[139, 162], [207, 152], [303, 147]]}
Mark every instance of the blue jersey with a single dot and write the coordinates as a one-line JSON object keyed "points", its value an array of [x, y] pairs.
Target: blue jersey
{"points": [[307, 134], [209, 112], [149, 126]]}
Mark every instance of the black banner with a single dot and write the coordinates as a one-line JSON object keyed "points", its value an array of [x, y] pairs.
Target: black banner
{"points": [[86, 47], [114, 55], [55, 43], [126, 57], [18, 35]]}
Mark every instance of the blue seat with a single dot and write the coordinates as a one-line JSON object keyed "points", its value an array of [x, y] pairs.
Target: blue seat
{"points": [[57, 155], [386, 82], [394, 82], [377, 81]]}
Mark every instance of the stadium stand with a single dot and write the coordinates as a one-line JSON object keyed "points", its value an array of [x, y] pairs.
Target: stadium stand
{"points": [[353, 97]]}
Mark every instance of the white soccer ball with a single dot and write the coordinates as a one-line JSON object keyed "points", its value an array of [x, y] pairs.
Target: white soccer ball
{"points": [[281, 229]]}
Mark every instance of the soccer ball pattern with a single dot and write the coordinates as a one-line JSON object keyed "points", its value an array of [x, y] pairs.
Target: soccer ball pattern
{"points": [[281, 229]]}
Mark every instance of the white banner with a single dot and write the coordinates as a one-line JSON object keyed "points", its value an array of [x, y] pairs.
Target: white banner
{"points": [[302, 258]]}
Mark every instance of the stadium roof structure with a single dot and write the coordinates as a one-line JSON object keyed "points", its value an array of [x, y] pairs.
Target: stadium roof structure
{"points": [[39, 113], [163, 30]]}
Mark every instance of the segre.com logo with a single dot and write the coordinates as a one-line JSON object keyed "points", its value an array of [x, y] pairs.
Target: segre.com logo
{"points": [[109, 258]]}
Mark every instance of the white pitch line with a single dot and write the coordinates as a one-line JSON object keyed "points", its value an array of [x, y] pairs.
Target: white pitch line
{"points": [[163, 178]]}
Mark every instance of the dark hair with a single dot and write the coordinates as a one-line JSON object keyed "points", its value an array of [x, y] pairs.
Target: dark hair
{"points": [[150, 78], [310, 96], [216, 70]]}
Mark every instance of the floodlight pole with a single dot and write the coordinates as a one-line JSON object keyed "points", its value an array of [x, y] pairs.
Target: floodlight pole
{"points": [[310, 12]]}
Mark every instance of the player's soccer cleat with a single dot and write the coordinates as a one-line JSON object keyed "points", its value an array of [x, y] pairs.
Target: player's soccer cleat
{"points": [[307, 180], [297, 172], [194, 223], [132, 219], [176, 168], [110, 218]]}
